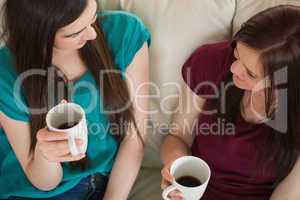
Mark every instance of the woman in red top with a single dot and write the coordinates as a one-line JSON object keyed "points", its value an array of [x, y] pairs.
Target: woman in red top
{"points": [[248, 95]]}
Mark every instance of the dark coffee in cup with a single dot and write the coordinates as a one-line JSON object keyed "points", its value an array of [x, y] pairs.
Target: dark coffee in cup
{"points": [[188, 181], [67, 125]]}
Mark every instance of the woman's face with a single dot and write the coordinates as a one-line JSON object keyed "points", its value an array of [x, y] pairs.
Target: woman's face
{"points": [[247, 69], [75, 35]]}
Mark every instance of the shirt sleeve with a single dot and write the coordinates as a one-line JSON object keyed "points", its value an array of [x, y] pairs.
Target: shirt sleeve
{"points": [[136, 35], [126, 34], [12, 102], [206, 68]]}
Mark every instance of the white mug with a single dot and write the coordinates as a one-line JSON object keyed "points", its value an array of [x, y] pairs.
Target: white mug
{"points": [[188, 166], [64, 113]]}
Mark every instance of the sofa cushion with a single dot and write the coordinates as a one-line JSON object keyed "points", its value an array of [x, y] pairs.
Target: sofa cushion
{"points": [[147, 186], [109, 4], [178, 28]]}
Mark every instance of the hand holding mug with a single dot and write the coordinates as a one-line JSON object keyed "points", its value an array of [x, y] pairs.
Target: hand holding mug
{"points": [[69, 118], [167, 180], [54, 146], [189, 175]]}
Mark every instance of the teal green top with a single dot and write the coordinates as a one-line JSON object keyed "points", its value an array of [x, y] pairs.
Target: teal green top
{"points": [[125, 35]]}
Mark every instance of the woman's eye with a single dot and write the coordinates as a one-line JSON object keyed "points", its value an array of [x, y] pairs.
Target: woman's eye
{"points": [[74, 35], [251, 76]]}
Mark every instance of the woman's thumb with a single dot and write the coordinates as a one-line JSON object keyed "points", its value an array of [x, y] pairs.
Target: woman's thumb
{"points": [[167, 175]]}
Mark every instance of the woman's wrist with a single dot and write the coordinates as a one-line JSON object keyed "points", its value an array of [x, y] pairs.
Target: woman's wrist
{"points": [[172, 149], [36, 169]]}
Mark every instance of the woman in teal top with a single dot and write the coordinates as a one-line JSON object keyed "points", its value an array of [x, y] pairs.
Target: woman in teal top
{"points": [[94, 56]]}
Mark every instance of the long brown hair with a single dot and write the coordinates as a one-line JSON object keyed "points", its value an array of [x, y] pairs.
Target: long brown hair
{"points": [[275, 34], [29, 31]]}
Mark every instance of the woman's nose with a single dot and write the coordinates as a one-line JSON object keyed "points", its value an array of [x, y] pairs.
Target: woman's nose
{"points": [[90, 33], [236, 69]]}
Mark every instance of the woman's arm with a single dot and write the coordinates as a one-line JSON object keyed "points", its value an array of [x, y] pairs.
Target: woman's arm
{"points": [[51, 149], [131, 152], [34, 165], [180, 138], [288, 189]]}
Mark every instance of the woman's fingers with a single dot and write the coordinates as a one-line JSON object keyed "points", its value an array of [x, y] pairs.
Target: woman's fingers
{"points": [[62, 152], [176, 198], [45, 135], [60, 145], [167, 178], [66, 158], [70, 158], [166, 174], [164, 184], [55, 146], [175, 194]]}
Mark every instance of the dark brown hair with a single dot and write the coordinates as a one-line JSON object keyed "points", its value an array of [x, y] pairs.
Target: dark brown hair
{"points": [[29, 31], [275, 34]]}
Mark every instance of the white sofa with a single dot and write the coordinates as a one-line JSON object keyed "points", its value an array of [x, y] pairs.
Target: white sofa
{"points": [[178, 27]]}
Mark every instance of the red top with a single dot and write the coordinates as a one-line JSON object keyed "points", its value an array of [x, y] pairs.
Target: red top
{"points": [[229, 149]]}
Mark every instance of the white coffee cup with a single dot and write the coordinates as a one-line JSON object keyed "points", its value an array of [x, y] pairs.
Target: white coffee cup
{"points": [[188, 166], [64, 113]]}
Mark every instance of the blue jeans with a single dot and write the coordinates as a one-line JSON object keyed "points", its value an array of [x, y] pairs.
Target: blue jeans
{"points": [[90, 188]]}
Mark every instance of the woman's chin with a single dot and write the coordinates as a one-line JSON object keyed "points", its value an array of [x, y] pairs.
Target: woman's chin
{"points": [[238, 83], [240, 87]]}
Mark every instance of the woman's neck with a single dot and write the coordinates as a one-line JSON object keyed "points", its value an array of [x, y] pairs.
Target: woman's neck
{"points": [[253, 107], [70, 64]]}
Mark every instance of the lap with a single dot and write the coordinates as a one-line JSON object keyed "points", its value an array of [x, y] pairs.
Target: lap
{"points": [[90, 188]]}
